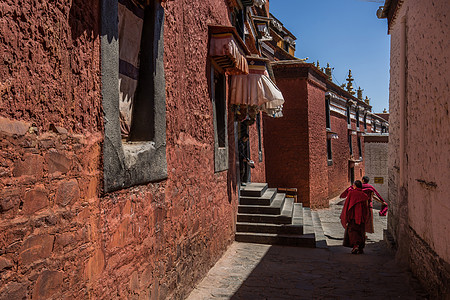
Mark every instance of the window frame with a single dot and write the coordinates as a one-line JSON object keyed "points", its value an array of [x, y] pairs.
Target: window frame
{"points": [[220, 153], [129, 164]]}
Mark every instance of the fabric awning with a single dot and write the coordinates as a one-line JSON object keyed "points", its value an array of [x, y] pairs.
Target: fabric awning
{"points": [[257, 89], [228, 50]]}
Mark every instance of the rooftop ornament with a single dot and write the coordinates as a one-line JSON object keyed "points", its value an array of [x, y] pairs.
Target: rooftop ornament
{"points": [[367, 100], [349, 83], [328, 72], [359, 92]]}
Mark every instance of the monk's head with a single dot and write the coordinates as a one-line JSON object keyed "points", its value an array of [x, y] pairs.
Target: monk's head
{"points": [[357, 184], [365, 179]]}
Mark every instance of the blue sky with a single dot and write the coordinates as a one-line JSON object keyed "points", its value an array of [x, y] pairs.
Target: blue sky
{"points": [[345, 33]]}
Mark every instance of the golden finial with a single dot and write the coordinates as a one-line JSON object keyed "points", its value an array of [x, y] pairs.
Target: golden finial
{"points": [[359, 91], [384, 111], [328, 72], [367, 100], [318, 65], [349, 83], [343, 85]]}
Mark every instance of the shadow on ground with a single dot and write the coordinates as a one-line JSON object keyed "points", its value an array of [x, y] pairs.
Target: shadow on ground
{"points": [[333, 273]]}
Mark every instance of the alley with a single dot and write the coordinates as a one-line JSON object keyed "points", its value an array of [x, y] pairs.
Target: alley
{"points": [[252, 271]]}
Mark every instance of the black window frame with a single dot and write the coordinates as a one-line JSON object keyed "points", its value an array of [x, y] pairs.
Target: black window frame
{"points": [[220, 119], [327, 113], [129, 164], [350, 146]]}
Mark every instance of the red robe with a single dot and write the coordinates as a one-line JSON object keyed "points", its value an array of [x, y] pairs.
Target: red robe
{"points": [[369, 189], [355, 207]]}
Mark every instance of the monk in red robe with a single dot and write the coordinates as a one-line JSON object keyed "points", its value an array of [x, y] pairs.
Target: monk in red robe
{"points": [[354, 216], [370, 190]]}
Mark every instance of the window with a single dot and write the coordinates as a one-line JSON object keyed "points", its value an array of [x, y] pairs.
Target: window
{"points": [[258, 127], [350, 146], [329, 153], [218, 96], [365, 121], [327, 112], [286, 46], [238, 20], [374, 126], [357, 118], [348, 115], [133, 89], [359, 148], [219, 106]]}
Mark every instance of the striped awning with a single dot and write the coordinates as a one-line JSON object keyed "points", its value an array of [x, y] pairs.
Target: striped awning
{"points": [[257, 89], [227, 50]]}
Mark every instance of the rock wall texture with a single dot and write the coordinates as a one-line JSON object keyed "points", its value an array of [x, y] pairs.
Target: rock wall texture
{"points": [[317, 144], [418, 189], [376, 160], [61, 236], [258, 174]]}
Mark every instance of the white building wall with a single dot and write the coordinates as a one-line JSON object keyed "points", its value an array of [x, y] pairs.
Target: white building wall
{"points": [[376, 162]]}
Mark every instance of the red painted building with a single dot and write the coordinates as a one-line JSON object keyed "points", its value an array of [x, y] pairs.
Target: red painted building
{"points": [[118, 160], [318, 146]]}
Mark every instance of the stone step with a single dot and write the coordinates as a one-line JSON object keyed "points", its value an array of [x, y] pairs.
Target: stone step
{"points": [[253, 189], [273, 209], [321, 241], [284, 218], [305, 240], [297, 214], [265, 199], [269, 228], [308, 227]]}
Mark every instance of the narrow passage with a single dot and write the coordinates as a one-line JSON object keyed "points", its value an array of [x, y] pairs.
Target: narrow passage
{"points": [[252, 271]]}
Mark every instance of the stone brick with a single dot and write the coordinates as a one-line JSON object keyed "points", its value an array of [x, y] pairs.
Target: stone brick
{"points": [[134, 282], [62, 240], [121, 235], [47, 284], [35, 248], [32, 165], [10, 198], [35, 200], [67, 192], [5, 263], [95, 265], [14, 290], [13, 127], [57, 162]]}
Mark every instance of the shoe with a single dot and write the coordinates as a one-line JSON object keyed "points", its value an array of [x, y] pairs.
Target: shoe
{"points": [[355, 250]]}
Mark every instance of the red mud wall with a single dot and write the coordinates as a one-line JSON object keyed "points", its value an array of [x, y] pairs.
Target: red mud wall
{"points": [[286, 140], [50, 66], [258, 174], [318, 175], [338, 174], [60, 235]]}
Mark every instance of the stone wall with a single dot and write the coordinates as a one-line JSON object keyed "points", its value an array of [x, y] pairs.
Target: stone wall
{"points": [[61, 235], [418, 172], [376, 159]]}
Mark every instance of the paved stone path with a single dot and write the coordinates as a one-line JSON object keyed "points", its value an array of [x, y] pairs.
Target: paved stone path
{"points": [[252, 271]]}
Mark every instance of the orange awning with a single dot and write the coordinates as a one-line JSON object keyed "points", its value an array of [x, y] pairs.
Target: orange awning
{"points": [[228, 50]]}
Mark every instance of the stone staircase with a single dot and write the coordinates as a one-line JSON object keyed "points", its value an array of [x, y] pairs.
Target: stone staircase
{"points": [[267, 217]]}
